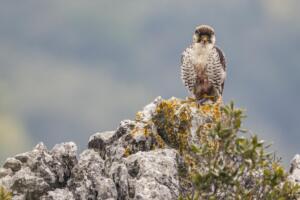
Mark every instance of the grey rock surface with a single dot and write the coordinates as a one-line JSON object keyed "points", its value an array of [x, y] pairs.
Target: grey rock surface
{"points": [[13, 164], [295, 169], [154, 174], [4, 172], [120, 164], [61, 194], [132, 162]]}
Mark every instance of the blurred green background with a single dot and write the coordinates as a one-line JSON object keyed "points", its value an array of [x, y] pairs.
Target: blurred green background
{"points": [[70, 68]]}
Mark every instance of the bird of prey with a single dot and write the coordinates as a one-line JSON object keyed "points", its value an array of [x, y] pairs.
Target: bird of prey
{"points": [[203, 66]]}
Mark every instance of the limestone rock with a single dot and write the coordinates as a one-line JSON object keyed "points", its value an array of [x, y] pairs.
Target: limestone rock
{"points": [[141, 159], [154, 174], [61, 194], [4, 172], [295, 169], [13, 164]]}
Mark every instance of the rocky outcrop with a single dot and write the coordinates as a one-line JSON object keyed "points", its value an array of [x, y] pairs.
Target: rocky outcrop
{"points": [[142, 159], [295, 169]]}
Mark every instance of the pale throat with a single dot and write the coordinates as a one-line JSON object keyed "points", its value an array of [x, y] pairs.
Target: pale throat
{"points": [[201, 53]]}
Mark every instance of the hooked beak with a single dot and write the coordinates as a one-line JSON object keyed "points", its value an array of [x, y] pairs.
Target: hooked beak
{"points": [[204, 38]]}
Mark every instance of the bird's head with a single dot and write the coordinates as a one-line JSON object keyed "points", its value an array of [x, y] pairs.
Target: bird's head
{"points": [[204, 35]]}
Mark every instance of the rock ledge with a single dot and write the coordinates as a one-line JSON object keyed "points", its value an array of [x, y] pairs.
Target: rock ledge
{"points": [[140, 160]]}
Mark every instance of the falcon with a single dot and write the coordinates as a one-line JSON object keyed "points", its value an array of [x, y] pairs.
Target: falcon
{"points": [[203, 66]]}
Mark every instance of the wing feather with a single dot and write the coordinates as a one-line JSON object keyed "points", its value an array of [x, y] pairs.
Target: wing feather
{"points": [[216, 69], [188, 74]]}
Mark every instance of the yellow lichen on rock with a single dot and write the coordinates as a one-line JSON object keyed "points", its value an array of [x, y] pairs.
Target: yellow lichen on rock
{"points": [[138, 116], [212, 110], [173, 121], [4, 194], [159, 141], [127, 152]]}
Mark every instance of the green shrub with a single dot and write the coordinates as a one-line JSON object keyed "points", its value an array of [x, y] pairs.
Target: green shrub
{"points": [[232, 164]]}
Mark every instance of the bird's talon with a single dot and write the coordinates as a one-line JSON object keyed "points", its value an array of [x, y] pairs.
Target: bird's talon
{"points": [[201, 102]]}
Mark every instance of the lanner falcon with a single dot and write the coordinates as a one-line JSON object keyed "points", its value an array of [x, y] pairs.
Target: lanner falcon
{"points": [[203, 67]]}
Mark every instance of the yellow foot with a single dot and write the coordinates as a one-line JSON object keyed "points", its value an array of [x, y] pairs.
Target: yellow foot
{"points": [[212, 98], [189, 100], [219, 100]]}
